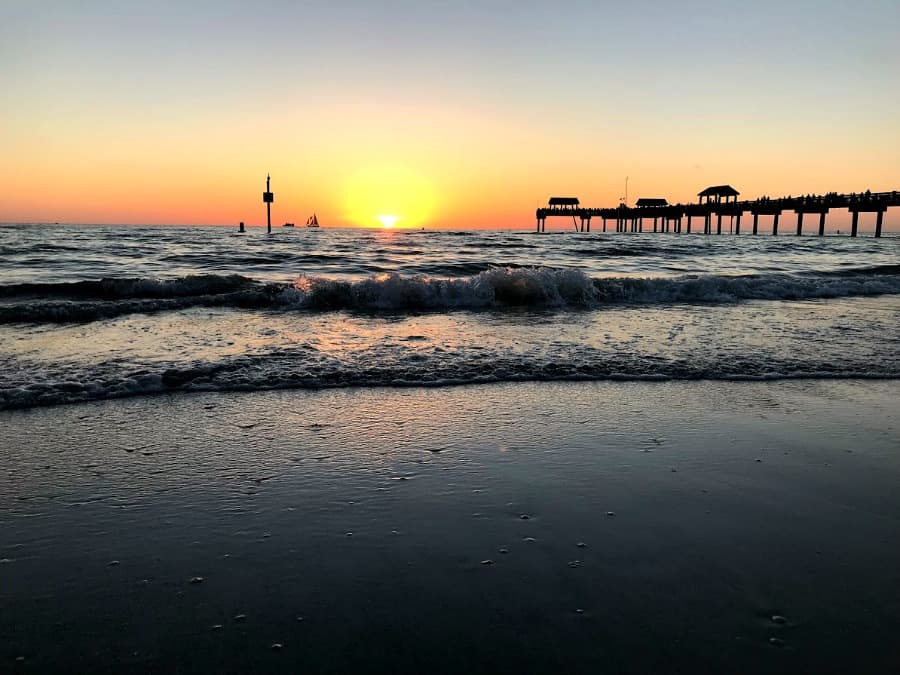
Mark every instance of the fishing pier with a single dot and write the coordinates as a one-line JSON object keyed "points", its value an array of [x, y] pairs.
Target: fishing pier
{"points": [[718, 202]]}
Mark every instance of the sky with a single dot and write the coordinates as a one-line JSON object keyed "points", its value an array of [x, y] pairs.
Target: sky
{"points": [[441, 114]]}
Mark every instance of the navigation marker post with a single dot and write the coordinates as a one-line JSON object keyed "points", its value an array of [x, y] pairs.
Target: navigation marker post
{"points": [[268, 198]]}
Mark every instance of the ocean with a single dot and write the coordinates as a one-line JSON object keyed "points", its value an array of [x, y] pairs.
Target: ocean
{"points": [[96, 312]]}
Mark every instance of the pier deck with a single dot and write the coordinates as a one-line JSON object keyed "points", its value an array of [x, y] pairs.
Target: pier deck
{"points": [[668, 217]]}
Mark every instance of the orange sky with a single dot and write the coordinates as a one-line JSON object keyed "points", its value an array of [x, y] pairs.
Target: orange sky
{"points": [[449, 130]]}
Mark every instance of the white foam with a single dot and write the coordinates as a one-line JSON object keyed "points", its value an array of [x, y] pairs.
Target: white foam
{"points": [[496, 289]]}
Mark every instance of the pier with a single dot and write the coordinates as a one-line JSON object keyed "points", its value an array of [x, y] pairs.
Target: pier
{"points": [[714, 203]]}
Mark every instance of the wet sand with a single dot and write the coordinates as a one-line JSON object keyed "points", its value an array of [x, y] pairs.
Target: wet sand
{"points": [[529, 528]]}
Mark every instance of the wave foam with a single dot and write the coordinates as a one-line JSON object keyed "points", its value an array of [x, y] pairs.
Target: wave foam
{"points": [[565, 288], [495, 289], [286, 371]]}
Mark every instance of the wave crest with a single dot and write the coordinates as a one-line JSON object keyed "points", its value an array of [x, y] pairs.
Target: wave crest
{"points": [[512, 287], [495, 289]]}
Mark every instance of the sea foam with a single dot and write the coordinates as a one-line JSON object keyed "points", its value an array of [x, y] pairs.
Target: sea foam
{"points": [[494, 289]]}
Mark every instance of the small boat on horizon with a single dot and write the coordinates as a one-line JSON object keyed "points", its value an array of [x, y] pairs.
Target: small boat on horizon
{"points": [[288, 225], [312, 221]]}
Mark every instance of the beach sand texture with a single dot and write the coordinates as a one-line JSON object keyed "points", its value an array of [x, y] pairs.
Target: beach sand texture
{"points": [[533, 527]]}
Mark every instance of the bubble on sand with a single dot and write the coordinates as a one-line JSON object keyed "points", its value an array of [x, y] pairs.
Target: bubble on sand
{"points": [[20, 659], [610, 513], [777, 642], [487, 562], [240, 617], [581, 544], [504, 551], [112, 563], [758, 459], [529, 539], [196, 580], [777, 618], [574, 563], [349, 534], [217, 626], [276, 646], [299, 619], [5, 561], [579, 611], [524, 516]]}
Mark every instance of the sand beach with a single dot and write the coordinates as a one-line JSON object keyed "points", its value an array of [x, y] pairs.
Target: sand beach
{"points": [[533, 527]]}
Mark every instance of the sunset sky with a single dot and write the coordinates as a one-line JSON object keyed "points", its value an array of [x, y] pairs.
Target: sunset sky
{"points": [[443, 114]]}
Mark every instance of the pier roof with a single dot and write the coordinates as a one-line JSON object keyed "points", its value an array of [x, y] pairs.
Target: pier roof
{"points": [[564, 201], [651, 201], [719, 191]]}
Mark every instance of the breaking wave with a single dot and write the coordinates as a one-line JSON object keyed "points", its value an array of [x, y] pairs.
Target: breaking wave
{"points": [[62, 384], [491, 289]]}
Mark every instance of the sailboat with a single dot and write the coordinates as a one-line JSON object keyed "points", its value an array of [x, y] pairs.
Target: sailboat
{"points": [[312, 221]]}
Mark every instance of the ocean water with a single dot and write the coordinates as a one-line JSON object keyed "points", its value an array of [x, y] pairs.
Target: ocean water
{"points": [[91, 312]]}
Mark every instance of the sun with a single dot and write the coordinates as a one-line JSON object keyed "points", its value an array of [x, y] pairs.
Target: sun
{"points": [[377, 195], [387, 220]]}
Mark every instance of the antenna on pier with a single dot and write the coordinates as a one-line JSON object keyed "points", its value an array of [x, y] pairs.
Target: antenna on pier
{"points": [[624, 199], [268, 198]]}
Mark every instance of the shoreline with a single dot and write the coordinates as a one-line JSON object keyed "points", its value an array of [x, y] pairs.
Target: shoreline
{"points": [[624, 378]]}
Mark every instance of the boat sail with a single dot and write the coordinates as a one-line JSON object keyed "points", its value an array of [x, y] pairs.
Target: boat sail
{"points": [[312, 221]]}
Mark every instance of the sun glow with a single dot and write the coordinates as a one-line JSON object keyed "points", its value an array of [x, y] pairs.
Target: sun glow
{"points": [[388, 221], [378, 193]]}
